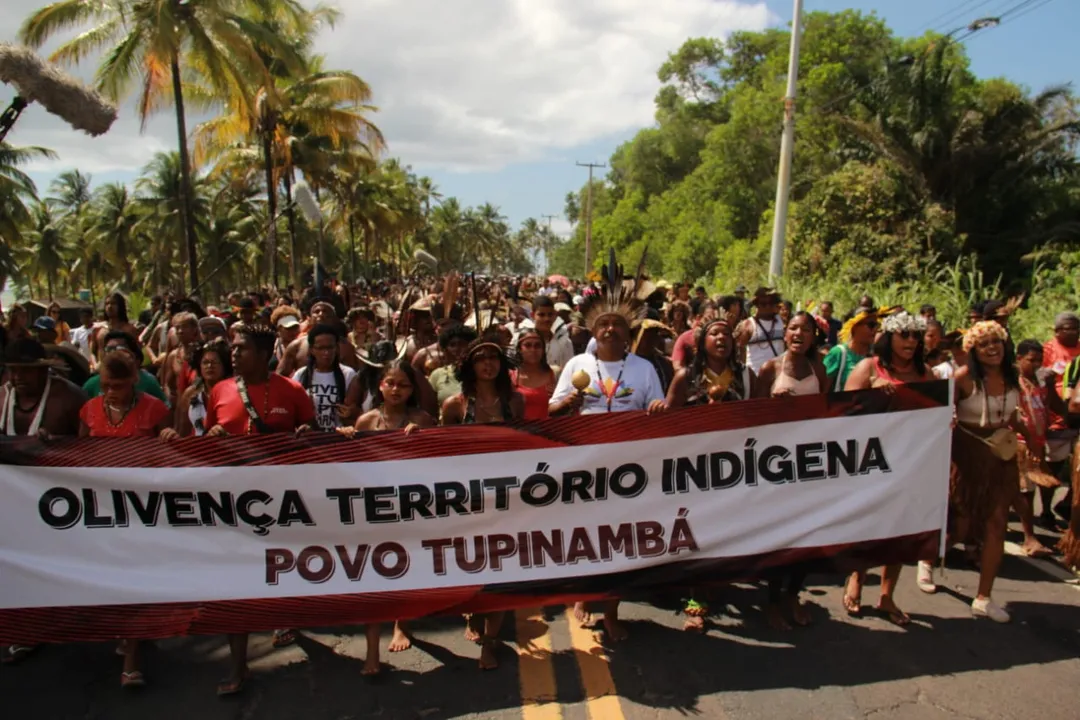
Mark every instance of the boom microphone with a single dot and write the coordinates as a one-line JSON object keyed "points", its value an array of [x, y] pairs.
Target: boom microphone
{"points": [[308, 204], [425, 258], [55, 90]]}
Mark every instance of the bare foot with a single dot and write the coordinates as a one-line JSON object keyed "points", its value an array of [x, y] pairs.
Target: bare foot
{"points": [[581, 614], [694, 623], [616, 631], [800, 615], [774, 615], [471, 633], [488, 660], [1034, 548], [372, 666], [853, 595], [401, 640]]}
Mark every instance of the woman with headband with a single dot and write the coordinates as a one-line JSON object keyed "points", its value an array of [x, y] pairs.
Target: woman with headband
{"points": [[898, 358], [715, 375], [487, 396], [984, 451]]}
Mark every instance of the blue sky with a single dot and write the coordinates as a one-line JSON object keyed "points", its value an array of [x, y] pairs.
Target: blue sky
{"points": [[497, 99], [1037, 50]]}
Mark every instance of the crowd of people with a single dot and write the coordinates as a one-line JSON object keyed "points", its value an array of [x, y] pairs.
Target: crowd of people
{"points": [[407, 354]]}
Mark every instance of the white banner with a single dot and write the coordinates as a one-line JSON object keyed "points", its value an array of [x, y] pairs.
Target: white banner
{"points": [[96, 536]]}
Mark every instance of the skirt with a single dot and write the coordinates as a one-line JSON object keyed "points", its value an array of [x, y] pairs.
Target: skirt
{"points": [[1070, 541], [983, 484], [1033, 471]]}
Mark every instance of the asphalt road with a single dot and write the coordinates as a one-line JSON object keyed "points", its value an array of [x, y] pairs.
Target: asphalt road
{"points": [[945, 665]]}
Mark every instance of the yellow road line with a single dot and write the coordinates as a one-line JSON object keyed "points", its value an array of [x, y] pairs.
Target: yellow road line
{"points": [[601, 697], [536, 671]]}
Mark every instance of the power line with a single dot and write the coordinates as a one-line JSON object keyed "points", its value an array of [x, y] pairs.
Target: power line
{"points": [[950, 16], [1023, 7], [1032, 9]]}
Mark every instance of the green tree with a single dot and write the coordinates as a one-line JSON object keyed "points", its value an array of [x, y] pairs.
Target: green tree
{"points": [[116, 214], [149, 41], [17, 193], [48, 251]]}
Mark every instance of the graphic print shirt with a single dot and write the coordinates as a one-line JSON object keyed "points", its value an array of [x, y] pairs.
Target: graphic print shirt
{"points": [[636, 390], [324, 394]]}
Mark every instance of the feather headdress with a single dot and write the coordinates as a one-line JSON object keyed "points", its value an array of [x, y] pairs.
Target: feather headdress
{"points": [[621, 297], [862, 316], [451, 288]]}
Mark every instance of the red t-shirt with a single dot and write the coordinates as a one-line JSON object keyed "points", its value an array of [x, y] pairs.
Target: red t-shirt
{"points": [[283, 405], [1057, 357], [683, 351], [141, 421]]}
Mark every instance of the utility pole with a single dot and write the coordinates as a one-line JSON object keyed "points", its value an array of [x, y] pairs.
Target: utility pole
{"points": [[547, 239], [588, 215], [787, 146]]}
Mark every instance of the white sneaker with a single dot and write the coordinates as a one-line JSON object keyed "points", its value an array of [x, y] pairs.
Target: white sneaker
{"points": [[925, 578], [985, 607]]}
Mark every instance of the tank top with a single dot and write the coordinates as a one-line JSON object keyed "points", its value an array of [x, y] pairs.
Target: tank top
{"points": [[7, 414], [470, 412], [980, 410], [536, 399], [809, 385], [766, 343]]}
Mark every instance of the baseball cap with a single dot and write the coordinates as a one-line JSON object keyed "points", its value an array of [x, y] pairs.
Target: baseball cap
{"points": [[288, 321], [563, 307], [44, 323]]}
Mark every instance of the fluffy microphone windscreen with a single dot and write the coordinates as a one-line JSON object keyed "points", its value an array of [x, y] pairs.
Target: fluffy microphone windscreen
{"points": [[426, 258], [56, 91], [307, 202]]}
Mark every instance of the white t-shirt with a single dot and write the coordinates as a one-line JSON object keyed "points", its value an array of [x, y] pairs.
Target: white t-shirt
{"points": [[944, 371], [323, 392], [80, 338], [638, 387]]}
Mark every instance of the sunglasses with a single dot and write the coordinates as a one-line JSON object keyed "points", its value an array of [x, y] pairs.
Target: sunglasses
{"points": [[909, 334]]}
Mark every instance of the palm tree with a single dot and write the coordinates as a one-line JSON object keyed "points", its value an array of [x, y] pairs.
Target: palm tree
{"points": [[16, 190], [162, 200], [426, 193], [116, 215], [71, 194], [304, 122], [149, 40], [957, 144], [48, 250]]}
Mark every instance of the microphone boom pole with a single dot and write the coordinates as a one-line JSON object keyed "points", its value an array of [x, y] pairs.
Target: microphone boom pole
{"points": [[60, 94]]}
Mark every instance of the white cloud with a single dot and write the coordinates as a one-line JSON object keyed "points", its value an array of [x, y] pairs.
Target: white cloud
{"points": [[470, 85]]}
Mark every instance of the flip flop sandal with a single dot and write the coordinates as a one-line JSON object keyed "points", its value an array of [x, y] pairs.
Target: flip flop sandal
{"points": [[230, 686], [897, 617], [852, 605], [132, 680], [284, 638], [13, 654], [1039, 552]]}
